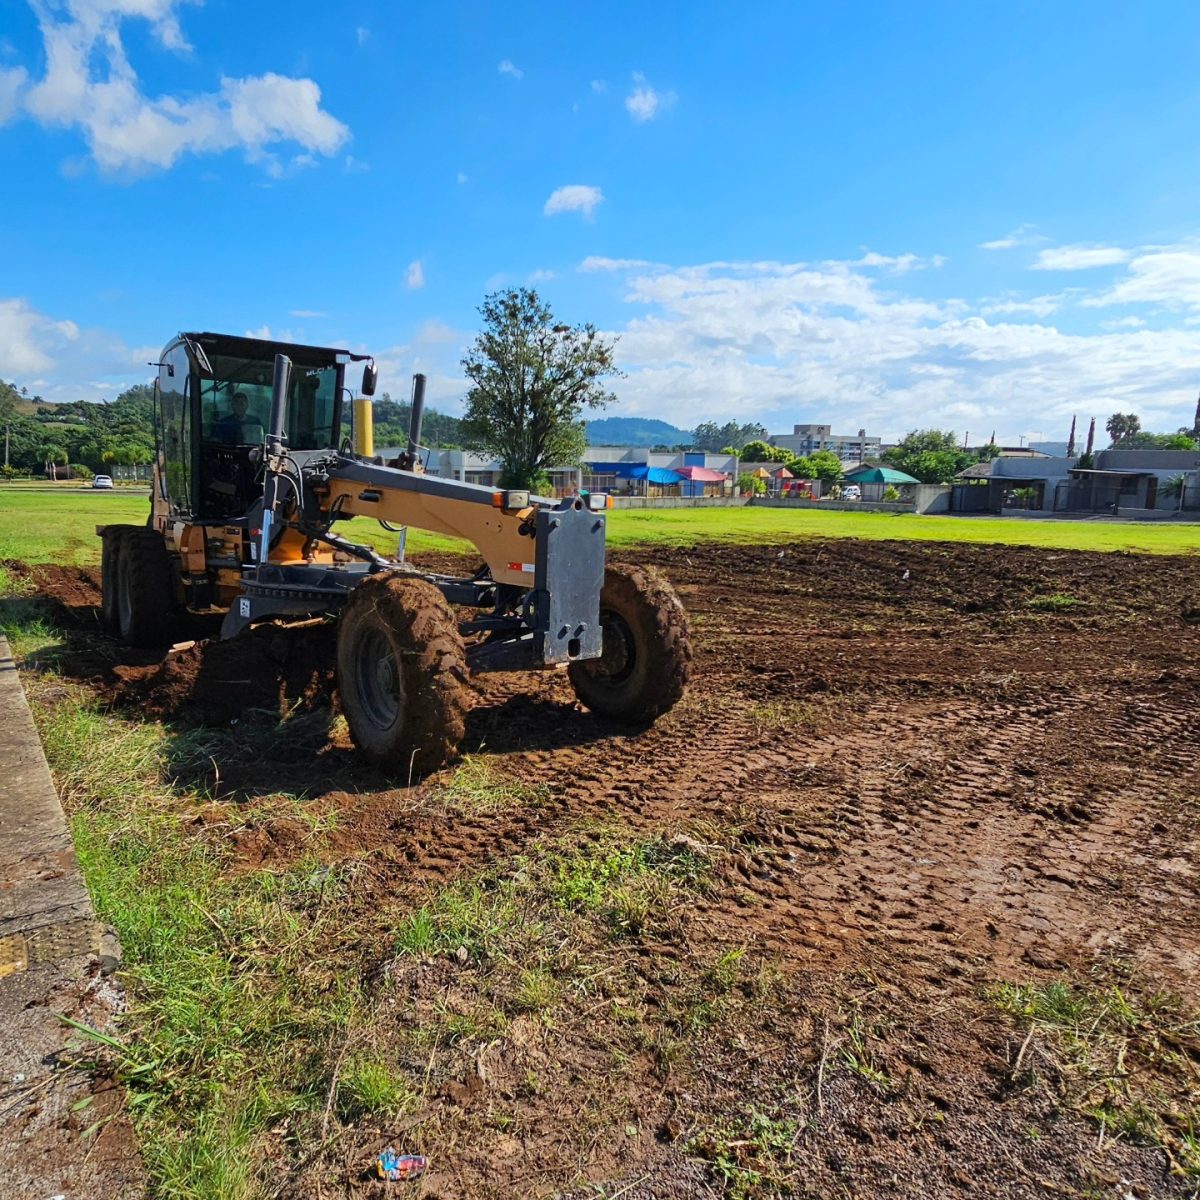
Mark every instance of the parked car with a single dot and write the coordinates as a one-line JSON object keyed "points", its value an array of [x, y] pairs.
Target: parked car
{"points": [[102, 481], [851, 491]]}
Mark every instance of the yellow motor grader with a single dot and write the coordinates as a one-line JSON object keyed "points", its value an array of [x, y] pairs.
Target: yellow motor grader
{"points": [[243, 522]]}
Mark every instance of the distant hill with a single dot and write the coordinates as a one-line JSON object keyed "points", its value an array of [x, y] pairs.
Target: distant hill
{"points": [[635, 431]]}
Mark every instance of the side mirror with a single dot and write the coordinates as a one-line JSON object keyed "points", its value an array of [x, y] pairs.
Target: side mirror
{"points": [[370, 379]]}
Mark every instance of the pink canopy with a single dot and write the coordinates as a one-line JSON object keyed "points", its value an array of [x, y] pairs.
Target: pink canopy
{"points": [[701, 474]]}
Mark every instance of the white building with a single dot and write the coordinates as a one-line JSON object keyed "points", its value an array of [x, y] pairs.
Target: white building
{"points": [[806, 439]]}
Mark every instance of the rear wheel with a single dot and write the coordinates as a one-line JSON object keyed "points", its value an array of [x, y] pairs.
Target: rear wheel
{"points": [[647, 658], [112, 543], [402, 674], [146, 610]]}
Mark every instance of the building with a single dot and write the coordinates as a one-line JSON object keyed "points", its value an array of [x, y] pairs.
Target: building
{"points": [[635, 470], [1118, 481], [805, 439], [468, 467], [622, 470]]}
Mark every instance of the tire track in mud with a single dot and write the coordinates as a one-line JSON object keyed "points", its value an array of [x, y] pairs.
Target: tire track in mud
{"points": [[955, 858]]}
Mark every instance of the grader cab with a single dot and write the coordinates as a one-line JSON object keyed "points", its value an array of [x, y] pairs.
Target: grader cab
{"points": [[251, 480]]}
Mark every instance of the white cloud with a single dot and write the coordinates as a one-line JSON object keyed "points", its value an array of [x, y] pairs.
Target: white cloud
{"points": [[305, 312], [363, 34], [541, 276], [89, 84], [12, 83], [1127, 323], [1035, 306], [1166, 275], [508, 67], [598, 85], [785, 342], [414, 276], [597, 262], [463, 178], [62, 360], [1079, 258], [575, 197], [644, 102], [354, 166], [263, 332], [1023, 235]]}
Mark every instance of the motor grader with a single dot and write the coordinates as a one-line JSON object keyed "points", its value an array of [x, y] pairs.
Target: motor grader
{"points": [[251, 480]]}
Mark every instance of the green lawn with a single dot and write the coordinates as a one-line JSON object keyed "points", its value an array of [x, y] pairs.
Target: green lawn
{"points": [[59, 525]]}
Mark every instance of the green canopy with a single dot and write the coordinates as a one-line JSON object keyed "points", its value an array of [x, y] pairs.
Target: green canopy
{"points": [[878, 475]]}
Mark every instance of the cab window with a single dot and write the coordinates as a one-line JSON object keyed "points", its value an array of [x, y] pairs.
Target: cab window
{"points": [[235, 404]]}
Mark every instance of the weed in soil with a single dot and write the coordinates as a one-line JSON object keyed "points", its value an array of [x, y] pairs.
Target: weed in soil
{"points": [[1123, 1058]]}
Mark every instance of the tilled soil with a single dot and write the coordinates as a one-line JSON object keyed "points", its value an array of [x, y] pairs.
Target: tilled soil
{"points": [[928, 768]]}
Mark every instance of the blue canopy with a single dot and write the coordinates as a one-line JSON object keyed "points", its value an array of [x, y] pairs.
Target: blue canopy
{"points": [[628, 470]]}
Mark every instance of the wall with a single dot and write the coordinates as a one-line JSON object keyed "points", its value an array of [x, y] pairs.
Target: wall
{"points": [[680, 501]]}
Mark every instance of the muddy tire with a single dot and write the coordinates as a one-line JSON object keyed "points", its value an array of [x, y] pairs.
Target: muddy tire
{"points": [[146, 612], [112, 544], [647, 658], [402, 675]]}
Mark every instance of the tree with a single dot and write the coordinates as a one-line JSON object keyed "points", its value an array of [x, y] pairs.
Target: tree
{"points": [[760, 451], [531, 378], [1121, 426], [750, 486], [930, 455], [710, 436], [820, 464], [1182, 440], [1176, 486]]}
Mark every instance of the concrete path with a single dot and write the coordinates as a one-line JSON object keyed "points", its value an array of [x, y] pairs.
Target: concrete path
{"points": [[63, 1131]]}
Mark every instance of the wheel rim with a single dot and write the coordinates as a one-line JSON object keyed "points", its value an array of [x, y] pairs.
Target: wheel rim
{"points": [[618, 659], [377, 679]]}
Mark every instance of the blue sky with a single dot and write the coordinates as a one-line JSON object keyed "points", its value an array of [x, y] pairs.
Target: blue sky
{"points": [[975, 216]]}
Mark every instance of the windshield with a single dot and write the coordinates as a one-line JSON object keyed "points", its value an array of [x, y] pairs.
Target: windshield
{"points": [[235, 404]]}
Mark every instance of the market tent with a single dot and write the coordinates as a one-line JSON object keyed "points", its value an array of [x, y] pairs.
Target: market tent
{"points": [[879, 475], [762, 473], [782, 473], [702, 475], [626, 470]]}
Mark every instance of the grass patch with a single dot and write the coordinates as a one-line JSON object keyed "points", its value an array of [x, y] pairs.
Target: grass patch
{"points": [[784, 713], [235, 996], [58, 525], [479, 786], [1122, 1058], [750, 1159], [1054, 602], [369, 1086]]}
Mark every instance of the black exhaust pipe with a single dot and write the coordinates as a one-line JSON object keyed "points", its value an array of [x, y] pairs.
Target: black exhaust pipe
{"points": [[414, 421], [279, 399]]}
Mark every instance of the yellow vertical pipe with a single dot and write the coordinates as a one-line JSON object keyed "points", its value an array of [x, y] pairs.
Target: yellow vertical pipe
{"points": [[364, 427]]}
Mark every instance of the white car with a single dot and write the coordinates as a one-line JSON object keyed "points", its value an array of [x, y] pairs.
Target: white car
{"points": [[851, 491], [102, 481]]}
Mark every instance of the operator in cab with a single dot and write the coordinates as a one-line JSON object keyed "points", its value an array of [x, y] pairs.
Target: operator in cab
{"points": [[239, 427]]}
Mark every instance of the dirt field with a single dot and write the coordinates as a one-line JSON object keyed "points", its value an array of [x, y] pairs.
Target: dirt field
{"points": [[905, 777]]}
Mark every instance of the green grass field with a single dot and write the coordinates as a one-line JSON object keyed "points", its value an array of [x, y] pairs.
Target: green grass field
{"points": [[59, 525]]}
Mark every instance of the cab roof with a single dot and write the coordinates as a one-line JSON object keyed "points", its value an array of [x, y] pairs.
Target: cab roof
{"points": [[248, 347]]}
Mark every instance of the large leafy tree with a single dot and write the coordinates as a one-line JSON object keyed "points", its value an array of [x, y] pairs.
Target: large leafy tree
{"points": [[710, 436], [531, 379], [820, 464], [930, 455]]}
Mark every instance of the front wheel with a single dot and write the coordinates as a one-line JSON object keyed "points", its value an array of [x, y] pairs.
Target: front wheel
{"points": [[647, 658], [402, 674]]}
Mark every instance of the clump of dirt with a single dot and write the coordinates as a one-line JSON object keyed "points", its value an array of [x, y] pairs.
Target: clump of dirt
{"points": [[214, 682], [73, 590]]}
